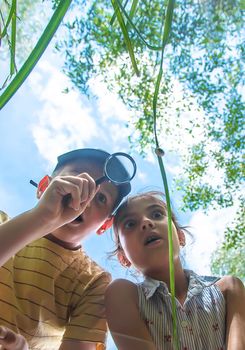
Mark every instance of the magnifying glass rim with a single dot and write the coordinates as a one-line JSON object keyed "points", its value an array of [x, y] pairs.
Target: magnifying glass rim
{"points": [[124, 155]]}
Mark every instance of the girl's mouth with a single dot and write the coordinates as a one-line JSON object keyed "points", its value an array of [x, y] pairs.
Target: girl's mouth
{"points": [[151, 239]]}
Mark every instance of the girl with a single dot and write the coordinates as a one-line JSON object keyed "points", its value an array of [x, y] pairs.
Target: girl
{"points": [[210, 311]]}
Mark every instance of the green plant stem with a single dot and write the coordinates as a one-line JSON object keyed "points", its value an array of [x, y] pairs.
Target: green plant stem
{"points": [[165, 38], [171, 257], [13, 39], [36, 53]]}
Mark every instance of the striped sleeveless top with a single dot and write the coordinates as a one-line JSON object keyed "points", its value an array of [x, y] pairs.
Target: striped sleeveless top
{"points": [[200, 321]]}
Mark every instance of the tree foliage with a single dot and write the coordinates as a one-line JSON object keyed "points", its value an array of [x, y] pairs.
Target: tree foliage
{"points": [[204, 59], [229, 257], [32, 16]]}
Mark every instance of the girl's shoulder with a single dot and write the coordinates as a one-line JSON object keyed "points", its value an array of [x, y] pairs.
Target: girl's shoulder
{"points": [[230, 284], [122, 289]]}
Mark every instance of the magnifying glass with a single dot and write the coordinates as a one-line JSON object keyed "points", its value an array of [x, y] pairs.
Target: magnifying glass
{"points": [[120, 168]]}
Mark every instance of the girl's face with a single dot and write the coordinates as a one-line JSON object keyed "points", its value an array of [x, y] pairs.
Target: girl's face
{"points": [[143, 234]]}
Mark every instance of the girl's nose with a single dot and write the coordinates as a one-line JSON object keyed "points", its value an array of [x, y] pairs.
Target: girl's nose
{"points": [[146, 224]]}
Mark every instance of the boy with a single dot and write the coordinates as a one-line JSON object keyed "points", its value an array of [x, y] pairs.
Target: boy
{"points": [[50, 291]]}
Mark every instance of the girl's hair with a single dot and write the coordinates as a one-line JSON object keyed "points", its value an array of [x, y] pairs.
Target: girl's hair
{"points": [[3, 217], [120, 211]]}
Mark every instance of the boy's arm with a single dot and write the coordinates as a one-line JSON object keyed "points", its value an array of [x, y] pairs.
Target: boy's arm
{"points": [[50, 213], [127, 328], [17, 232], [234, 292], [87, 327]]}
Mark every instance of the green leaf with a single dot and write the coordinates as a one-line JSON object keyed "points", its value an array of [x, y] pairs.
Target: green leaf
{"points": [[125, 35], [129, 18], [13, 40], [115, 14], [12, 10], [36, 53], [133, 10]]}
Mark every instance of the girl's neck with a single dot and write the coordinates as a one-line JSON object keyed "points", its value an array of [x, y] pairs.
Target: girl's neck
{"points": [[181, 281]]}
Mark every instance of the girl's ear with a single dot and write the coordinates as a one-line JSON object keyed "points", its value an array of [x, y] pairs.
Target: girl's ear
{"points": [[123, 260], [181, 236], [107, 224], [43, 184]]}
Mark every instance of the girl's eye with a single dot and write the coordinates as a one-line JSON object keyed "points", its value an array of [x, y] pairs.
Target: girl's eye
{"points": [[129, 224], [101, 197], [157, 214]]}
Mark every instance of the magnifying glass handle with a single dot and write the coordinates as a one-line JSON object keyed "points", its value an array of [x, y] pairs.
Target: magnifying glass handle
{"points": [[33, 183], [100, 180]]}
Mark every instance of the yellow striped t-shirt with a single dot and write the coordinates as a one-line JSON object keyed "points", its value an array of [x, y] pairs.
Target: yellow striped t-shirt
{"points": [[49, 294]]}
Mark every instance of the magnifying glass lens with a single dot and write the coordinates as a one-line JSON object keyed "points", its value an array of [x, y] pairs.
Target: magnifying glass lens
{"points": [[120, 168]]}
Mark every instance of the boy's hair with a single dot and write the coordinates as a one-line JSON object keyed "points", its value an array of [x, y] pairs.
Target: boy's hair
{"points": [[97, 157], [123, 207]]}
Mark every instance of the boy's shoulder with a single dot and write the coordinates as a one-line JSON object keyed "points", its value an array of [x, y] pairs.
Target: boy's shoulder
{"points": [[90, 267], [75, 262]]}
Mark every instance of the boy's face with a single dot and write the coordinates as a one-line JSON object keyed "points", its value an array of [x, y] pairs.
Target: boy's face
{"points": [[99, 210]]}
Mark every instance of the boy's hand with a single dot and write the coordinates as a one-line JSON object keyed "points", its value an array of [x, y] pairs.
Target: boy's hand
{"points": [[65, 198], [10, 340]]}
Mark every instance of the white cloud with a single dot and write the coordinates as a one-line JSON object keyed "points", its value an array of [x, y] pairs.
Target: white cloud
{"points": [[118, 135], [142, 176], [151, 156], [63, 122], [108, 103], [208, 233]]}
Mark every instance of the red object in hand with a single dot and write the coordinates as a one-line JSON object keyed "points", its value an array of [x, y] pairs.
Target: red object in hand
{"points": [[43, 184]]}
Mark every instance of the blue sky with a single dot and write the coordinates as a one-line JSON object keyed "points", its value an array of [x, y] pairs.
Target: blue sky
{"points": [[40, 122]]}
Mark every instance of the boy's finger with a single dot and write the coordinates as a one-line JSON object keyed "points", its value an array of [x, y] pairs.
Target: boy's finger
{"points": [[11, 340], [91, 183], [87, 188], [3, 332], [7, 337], [84, 182]]}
